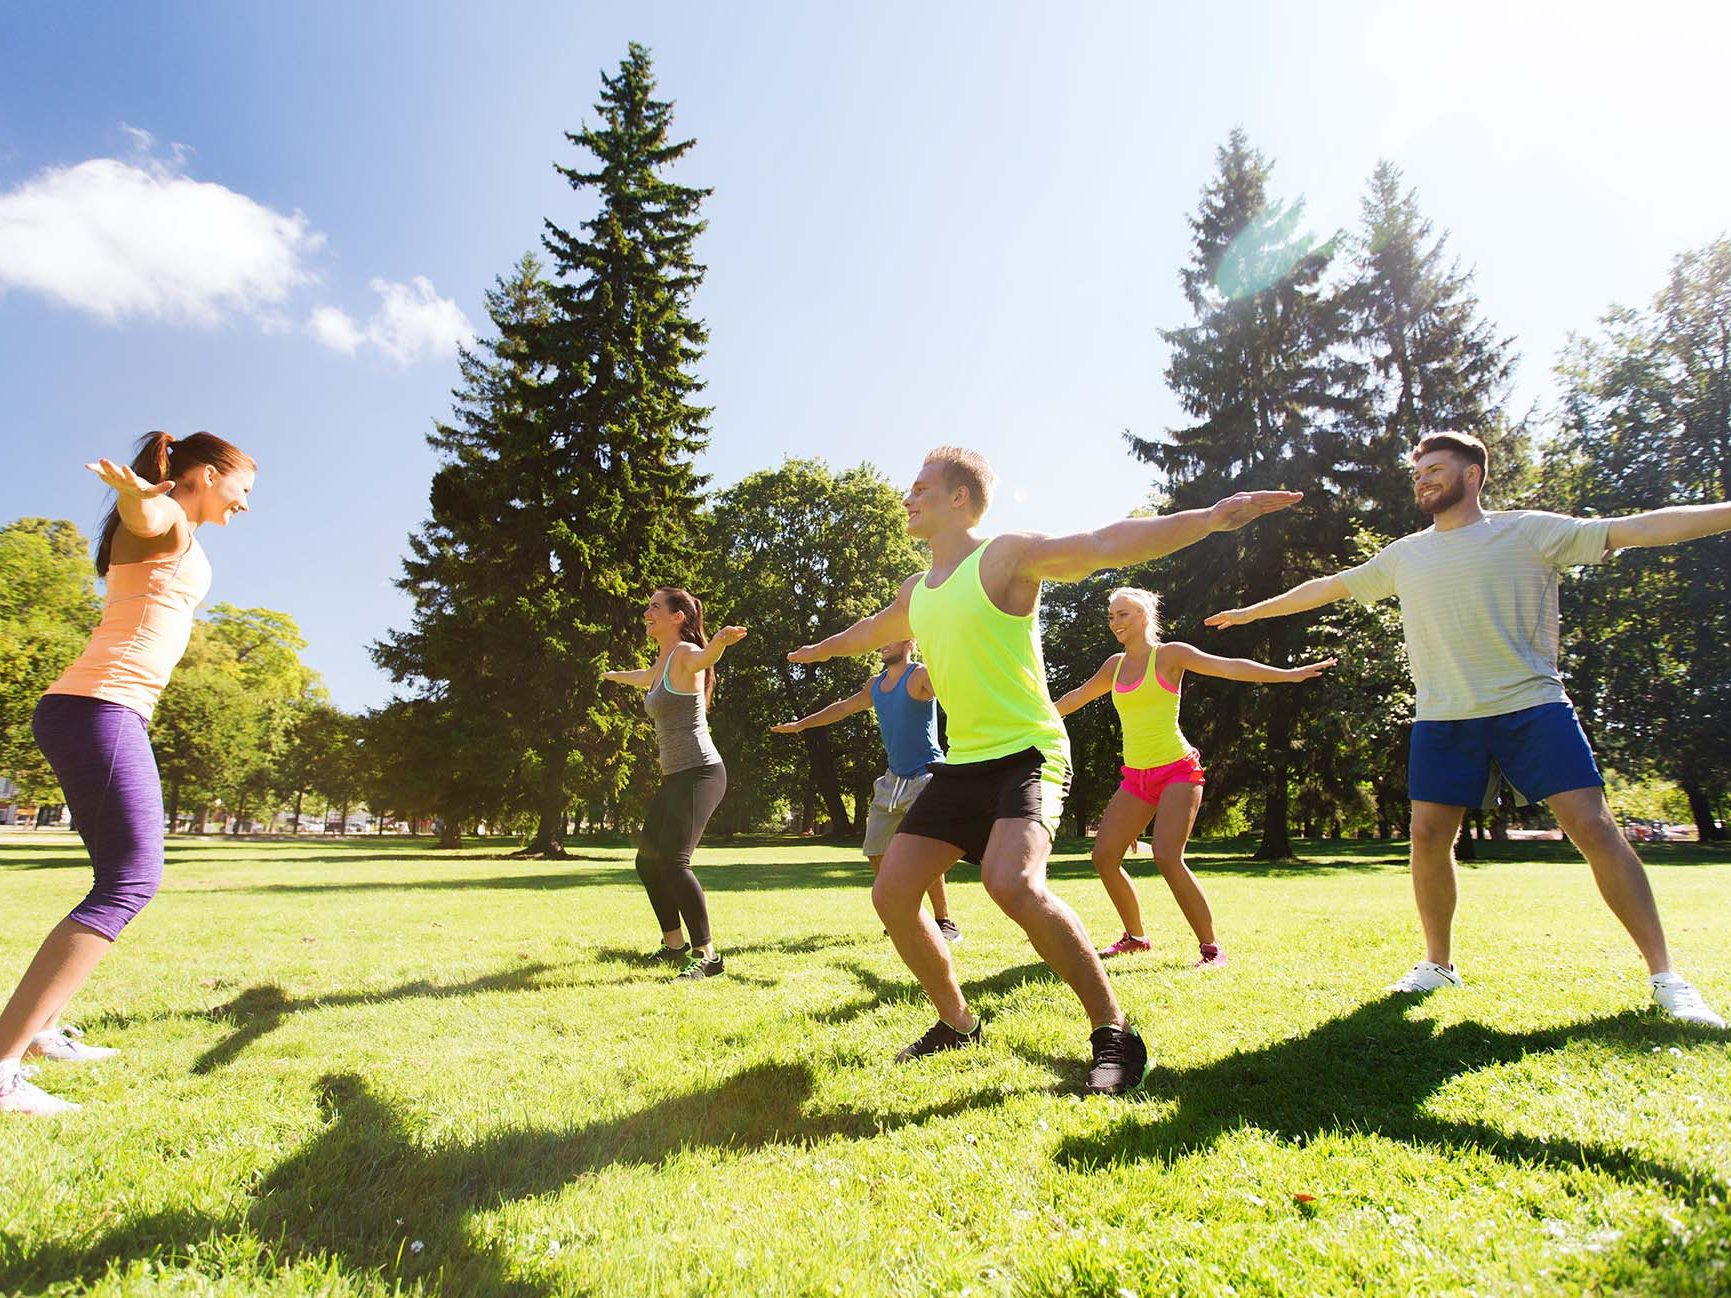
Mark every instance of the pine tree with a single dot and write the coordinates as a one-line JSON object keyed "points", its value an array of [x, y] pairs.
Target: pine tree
{"points": [[1277, 401], [1436, 364], [615, 496]]}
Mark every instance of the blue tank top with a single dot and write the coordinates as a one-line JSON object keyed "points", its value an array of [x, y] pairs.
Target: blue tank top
{"points": [[909, 726]]}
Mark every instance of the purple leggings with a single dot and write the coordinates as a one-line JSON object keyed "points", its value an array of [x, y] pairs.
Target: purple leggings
{"points": [[101, 756]]}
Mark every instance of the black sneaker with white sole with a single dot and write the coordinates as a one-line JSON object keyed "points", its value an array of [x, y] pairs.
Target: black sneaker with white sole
{"points": [[947, 927], [699, 967], [939, 1037], [1121, 1061], [665, 954]]}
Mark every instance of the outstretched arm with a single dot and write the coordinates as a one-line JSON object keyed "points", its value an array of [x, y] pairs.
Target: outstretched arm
{"points": [[1669, 526], [1137, 540], [642, 677], [829, 715], [1305, 596], [868, 633], [1192, 659], [145, 508], [1089, 690], [698, 660]]}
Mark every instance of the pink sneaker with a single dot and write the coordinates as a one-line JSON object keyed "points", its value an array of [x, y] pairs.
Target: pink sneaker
{"points": [[1126, 945], [1212, 957]]}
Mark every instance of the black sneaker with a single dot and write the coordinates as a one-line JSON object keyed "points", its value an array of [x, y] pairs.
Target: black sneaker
{"points": [[697, 967], [947, 927], [665, 954], [940, 1036], [1121, 1060]]}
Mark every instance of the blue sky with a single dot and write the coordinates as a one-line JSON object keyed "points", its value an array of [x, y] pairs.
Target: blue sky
{"points": [[956, 222]]}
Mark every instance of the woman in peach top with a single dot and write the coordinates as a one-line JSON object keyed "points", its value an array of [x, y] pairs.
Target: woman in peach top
{"points": [[91, 727]]}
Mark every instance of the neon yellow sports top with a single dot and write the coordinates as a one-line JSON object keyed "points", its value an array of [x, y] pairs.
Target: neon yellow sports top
{"points": [[1148, 711], [987, 669]]}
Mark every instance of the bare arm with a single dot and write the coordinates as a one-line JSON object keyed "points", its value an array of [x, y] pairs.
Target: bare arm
{"points": [[1669, 526], [1306, 595], [1137, 540], [869, 633], [701, 660], [1089, 690], [145, 508], [641, 677], [830, 714], [1192, 659]]}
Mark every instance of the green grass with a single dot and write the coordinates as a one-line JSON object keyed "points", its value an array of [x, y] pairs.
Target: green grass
{"points": [[335, 1050]]}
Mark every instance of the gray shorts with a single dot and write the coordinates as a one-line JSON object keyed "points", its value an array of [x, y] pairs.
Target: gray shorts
{"points": [[892, 795]]}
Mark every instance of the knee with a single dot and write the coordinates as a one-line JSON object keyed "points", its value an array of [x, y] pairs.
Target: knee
{"points": [[1429, 835], [1170, 862], [1014, 895], [1106, 861], [1598, 832]]}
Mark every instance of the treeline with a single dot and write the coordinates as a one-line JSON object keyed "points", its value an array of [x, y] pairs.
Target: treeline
{"points": [[567, 491]]}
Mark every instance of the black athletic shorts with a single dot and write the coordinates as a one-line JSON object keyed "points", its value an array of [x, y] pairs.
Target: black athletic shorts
{"points": [[964, 799]]}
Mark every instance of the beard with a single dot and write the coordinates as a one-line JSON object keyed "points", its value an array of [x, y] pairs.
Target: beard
{"points": [[1446, 498], [892, 657]]}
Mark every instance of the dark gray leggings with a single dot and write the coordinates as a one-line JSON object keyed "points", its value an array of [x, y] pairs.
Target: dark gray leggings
{"points": [[672, 827]]}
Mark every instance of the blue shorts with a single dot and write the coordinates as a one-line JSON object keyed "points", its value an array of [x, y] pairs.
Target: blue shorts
{"points": [[1540, 751]]}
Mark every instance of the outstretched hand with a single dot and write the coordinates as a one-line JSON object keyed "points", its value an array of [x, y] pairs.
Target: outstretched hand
{"points": [[728, 635], [123, 480], [807, 653], [1230, 617], [1310, 671], [1246, 506], [785, 728]]}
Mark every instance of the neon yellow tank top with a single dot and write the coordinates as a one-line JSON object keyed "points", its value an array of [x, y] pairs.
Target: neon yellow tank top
{"points": [[987, 669], [1148, 711]]}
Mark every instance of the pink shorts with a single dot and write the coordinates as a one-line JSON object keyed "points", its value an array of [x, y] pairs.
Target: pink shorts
{"points": [[1150, 782]]}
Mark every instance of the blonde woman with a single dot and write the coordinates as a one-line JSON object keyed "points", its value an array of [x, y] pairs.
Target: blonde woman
{"points": [[1162, 772]]}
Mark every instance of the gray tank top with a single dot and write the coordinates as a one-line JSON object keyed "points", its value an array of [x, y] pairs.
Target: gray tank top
{"points": [[681, 729]]}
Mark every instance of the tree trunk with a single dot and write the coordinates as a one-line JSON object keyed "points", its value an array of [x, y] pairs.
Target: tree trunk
{"points": [[173, 806], [1464, 849], [821, 755], [1701, 808], [808, 804], [1276, 844], [450, 832], [549, 840], [297, 816]]}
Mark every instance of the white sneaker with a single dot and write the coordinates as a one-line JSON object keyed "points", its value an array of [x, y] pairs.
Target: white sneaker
{"points": [[18, 1094], [66, 1045], [1427, 976], [1678, 998]]}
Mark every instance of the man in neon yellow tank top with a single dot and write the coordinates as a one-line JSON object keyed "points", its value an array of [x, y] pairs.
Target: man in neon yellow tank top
{"points": [[997, 797]]}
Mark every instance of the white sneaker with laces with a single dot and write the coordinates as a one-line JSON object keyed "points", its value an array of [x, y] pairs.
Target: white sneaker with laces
{"points": [[1678, 998], [66, 1045], [18, 1094], [1427, 976]]}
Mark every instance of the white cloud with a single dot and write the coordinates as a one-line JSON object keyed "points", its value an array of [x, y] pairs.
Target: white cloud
{"points": [[140, 239], [336, 329], [412, 323]]}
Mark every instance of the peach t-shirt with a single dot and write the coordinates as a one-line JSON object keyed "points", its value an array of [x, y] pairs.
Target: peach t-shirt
{"points": [[146, 623]]}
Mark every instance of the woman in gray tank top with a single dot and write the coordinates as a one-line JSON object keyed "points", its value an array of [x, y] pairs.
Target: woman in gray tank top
{"points": [[679, 686]]}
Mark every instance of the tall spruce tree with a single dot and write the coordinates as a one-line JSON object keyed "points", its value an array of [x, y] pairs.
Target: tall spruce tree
{"points": [[1435, 363], [568, 491], [619, 494], [1265, 373]]}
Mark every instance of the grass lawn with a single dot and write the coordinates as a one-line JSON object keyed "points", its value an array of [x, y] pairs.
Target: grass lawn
{"points": [[362, 1067]]}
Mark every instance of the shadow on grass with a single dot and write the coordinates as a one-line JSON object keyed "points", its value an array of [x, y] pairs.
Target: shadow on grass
{"points": [[259, 1011], [1371, 1071], [360, 1190]]}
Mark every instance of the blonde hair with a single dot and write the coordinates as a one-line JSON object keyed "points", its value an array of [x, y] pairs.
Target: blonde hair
{"points": [[1149, 601], [964, 468]]}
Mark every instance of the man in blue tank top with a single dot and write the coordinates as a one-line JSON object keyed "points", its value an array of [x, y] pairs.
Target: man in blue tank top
{"points": [[907, 711]]}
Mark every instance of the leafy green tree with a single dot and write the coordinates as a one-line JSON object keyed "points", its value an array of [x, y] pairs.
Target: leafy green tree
{"points": [[207, 727], [48, 607], [793, 553], [1648, 637], [1278, 402]]}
